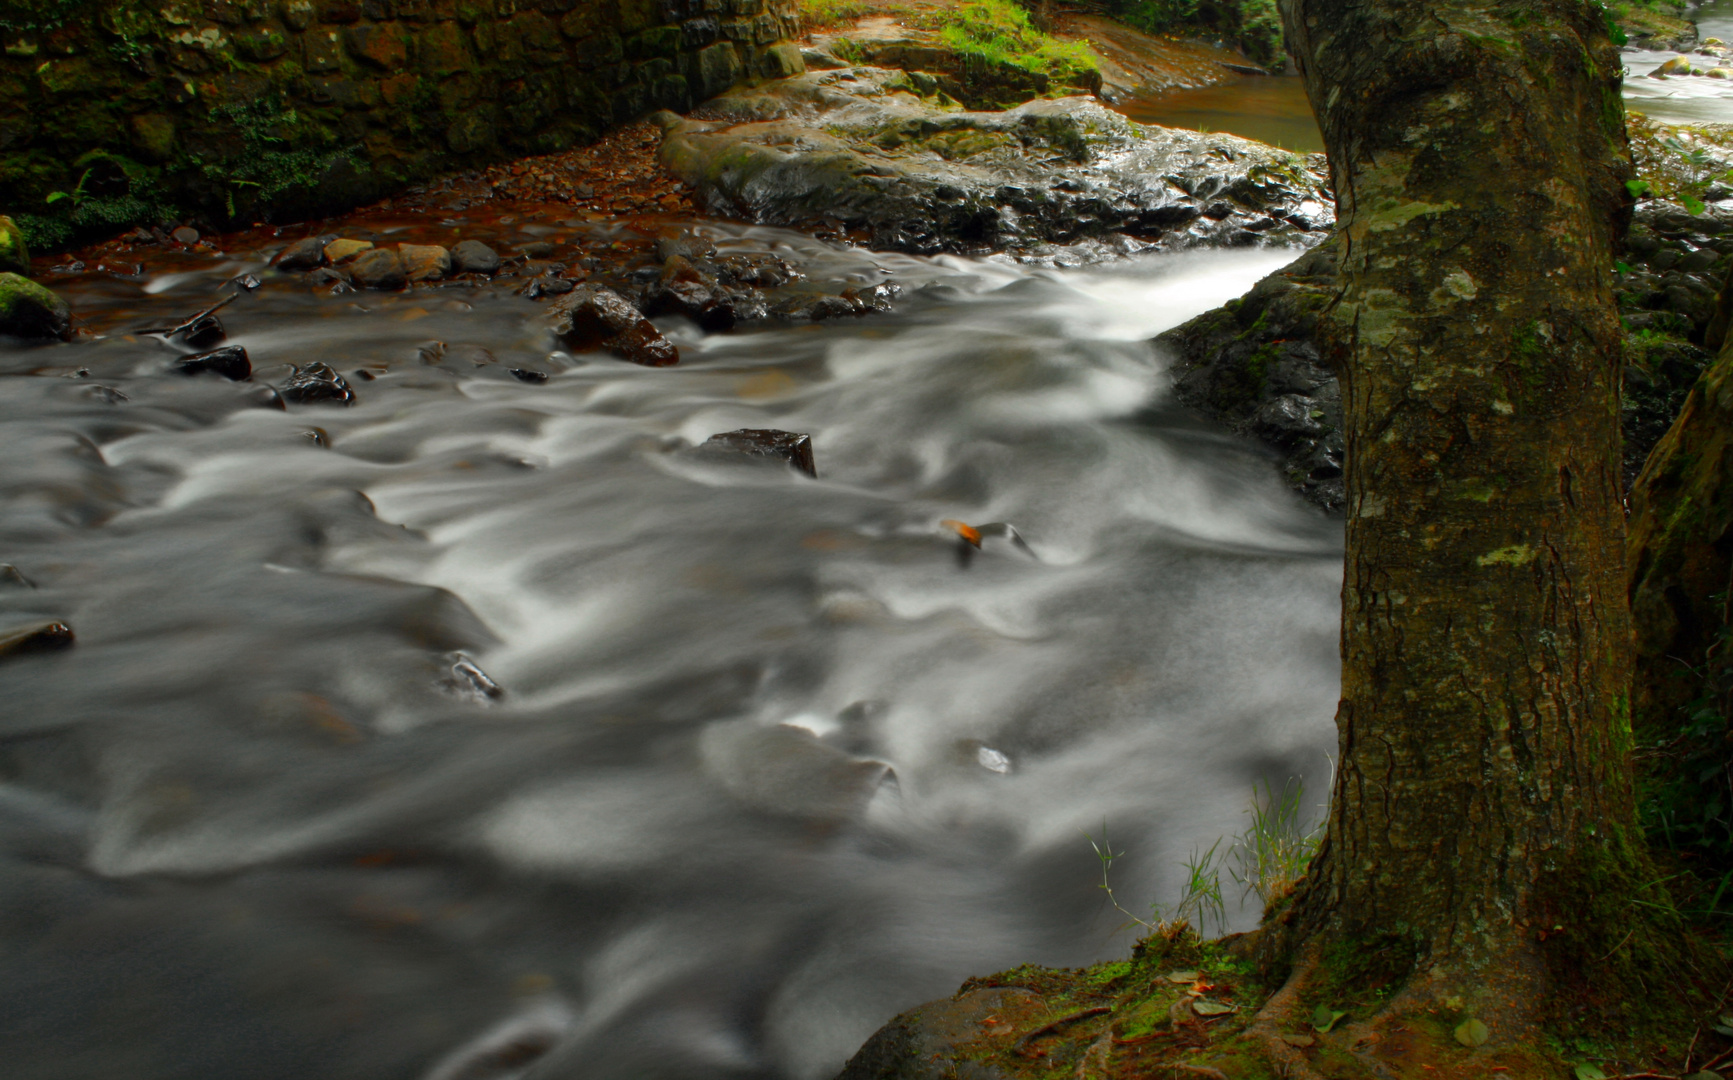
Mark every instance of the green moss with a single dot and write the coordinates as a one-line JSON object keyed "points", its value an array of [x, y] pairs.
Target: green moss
{"points": [[998, 32], [14, 251]]}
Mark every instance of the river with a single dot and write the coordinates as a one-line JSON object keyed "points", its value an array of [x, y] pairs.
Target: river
{"points": [[773, 760]]}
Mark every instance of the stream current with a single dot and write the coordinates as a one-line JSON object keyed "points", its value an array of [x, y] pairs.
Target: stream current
{"points": [[773, 761]]}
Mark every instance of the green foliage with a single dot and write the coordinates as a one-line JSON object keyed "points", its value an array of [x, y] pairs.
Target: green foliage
{"points": [[43, 233], [1685, 791], [38, 16], [1254, 26], [1272, 853], [832, 12], [281, 154], [999, 32]]}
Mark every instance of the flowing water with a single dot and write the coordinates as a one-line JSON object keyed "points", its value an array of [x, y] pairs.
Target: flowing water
{"points": [[774, 760]]}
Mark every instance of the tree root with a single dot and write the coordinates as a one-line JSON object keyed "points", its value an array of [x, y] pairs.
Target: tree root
{"points": [[1050, 1027], [1267, 1026], [1202, 1070]]}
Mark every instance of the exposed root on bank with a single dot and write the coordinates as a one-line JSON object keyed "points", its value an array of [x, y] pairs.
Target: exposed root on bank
{"points": [[1278, 1012]]}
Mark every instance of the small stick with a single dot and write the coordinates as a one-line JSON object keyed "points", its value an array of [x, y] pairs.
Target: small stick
{"points": [[1052, 1026]]}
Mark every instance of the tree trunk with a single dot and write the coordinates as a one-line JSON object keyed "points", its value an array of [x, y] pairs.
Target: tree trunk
{"points": [[1483, 799]]}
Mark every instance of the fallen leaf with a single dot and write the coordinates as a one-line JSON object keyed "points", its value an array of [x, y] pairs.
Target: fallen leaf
{"points": [[1172, 976], [973, 536], [1471, 1032], [1300, 1041], [1206, 1007], [1589, 1071], [1324, 1018]]}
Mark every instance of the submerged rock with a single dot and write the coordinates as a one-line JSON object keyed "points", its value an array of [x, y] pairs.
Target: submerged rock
{"points": [[317, 383], [684, 289], [594, 316], [48, 637], [200, 332], [32, 311], [230, 362], [14, 254], [859, 150], [765, 444]]}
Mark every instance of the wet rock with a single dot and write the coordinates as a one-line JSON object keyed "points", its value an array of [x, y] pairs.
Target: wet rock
{"points": [[14, 254], [928, 1042], [12, 578], [424, 262], [457, 357], [765, 444], [683, 289], [330, 277], [31, 311], [474, 257], [594, 316], [200, 332], [684, 244], [318, 436], [266, 397], [789, 772], [465, 679], [46, 637], [316, 384], [230, 362], [537, 249], [108, 395], [380, 269], [858, 150], [526, 375], [304, 254], [549, 285], [338, 250], [186, 235]]}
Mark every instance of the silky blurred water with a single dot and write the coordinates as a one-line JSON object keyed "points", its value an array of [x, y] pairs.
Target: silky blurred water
{"points": [[773, 761]]}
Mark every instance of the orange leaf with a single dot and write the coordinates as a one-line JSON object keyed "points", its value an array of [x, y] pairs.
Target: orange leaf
{"points": [[967, 532]]}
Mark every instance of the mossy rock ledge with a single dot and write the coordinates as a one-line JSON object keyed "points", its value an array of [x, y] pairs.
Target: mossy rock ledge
{"points": [[14, 253], [886, 157]]}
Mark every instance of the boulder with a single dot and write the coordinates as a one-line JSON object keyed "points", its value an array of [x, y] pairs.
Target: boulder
{"points": [[200, 332], [594, 316], [304, 254], [338, 250], [230, 362], [474, 257], [31, 311], [424, 262], [14, 255], [766, 444], [315, 384], [380, 268], [859, 150]]}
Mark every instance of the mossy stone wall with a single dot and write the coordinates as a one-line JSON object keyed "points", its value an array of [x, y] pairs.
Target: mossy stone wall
{"points": [[272, 109]]}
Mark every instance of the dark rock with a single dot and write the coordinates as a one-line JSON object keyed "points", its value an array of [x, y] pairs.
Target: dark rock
{"points": [[525, 375], [47, 637], [305, 254], [538, 249], [766, 443], [549, 285], [185, 235], [201, 332], [31, 311], [685, 245], [337, 280], [683, 289], [474, 257], [317, 383], [594, 316], [928, 1042], [318, 437], [379, 268], [247, 283], [465, 679], [12, 578], [108, 395], [230, 362]]}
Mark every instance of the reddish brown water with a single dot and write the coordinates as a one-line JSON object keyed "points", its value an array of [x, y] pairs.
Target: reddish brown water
{"points": [[1269, 108]]}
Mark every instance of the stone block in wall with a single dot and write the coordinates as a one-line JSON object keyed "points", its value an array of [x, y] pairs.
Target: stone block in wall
{"points": [[334, 90], [227, 12], [557, 8], [471, 132], [670, 92], [697, 33], [471, 12], [736, 30], [382, 46], [297, 14], [257, 11], [153, 136], [715, 7], [339, 11], [630, 102], [443, 50], [261, 45], [765, 30], [321, 51], [717, 68], [748, 8], [539, 36], [398, 89], [663, 41], [459, 92], [597, 51]]}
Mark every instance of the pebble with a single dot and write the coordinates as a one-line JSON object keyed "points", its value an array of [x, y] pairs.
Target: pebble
{"points": [[306, 254], [424, 262], [185, 235], [48, 637]]}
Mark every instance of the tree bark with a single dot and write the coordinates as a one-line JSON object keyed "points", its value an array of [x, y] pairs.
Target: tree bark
{"points": [[1483, 799]]}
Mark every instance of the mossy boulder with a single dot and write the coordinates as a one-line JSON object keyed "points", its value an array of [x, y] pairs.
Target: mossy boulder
{"points": [[14, 254], [30, 311]]}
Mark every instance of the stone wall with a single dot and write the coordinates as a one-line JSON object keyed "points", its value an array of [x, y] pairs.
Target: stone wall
{"points": [[274, 109]]}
